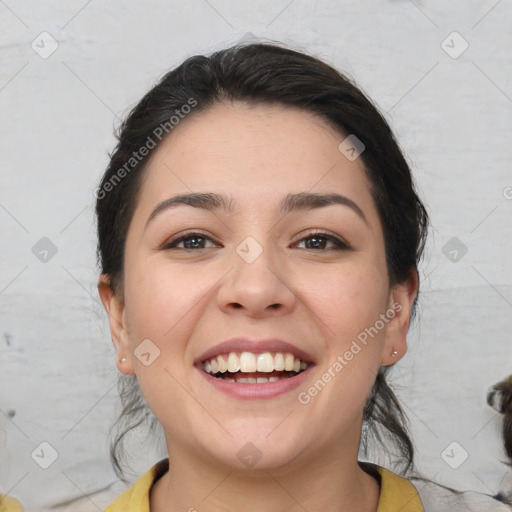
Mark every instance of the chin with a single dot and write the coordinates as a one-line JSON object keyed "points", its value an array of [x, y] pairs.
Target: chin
{"points": [[263, 448]]}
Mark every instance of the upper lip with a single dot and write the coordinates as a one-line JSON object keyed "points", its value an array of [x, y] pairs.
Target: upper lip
{"points": [[256, 347]]}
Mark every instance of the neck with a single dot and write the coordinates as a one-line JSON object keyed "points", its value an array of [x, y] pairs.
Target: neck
{"points": [[331, 481]]}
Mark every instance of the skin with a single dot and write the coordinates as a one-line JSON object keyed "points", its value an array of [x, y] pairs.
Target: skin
{"points": [[317, 297]]}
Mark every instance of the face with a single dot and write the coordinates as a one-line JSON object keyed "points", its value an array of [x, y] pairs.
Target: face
{"points": [[267, 268]]}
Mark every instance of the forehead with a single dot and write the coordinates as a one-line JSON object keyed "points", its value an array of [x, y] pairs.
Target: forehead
{"points": [[256, 157], [256, 149], [252, 133]]}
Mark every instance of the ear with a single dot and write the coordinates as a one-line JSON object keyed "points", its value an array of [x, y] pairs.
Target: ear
{"points": [[114, 306], [401, 300]]}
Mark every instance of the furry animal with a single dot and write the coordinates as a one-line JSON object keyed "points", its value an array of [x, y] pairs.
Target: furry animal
{"points": [[499, 397]]}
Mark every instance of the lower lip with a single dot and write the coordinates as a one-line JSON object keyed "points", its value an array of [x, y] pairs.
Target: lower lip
{"points": [[262, 390]]}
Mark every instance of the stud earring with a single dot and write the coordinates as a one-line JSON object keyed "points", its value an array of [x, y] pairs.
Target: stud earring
{"points": [[123, 359], [394, 353]]}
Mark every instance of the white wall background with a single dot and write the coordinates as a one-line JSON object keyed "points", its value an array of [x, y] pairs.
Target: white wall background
{"points": [[452, 117]]}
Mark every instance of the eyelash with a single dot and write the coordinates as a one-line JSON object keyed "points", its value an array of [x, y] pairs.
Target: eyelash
{"points": [[340, 245]]}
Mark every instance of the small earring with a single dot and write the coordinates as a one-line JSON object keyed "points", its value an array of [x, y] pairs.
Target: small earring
{"points": [[123, 359], [394, 353]]}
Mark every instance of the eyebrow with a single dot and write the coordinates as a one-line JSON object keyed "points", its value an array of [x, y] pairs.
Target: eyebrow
{"points": [[301, 201]]}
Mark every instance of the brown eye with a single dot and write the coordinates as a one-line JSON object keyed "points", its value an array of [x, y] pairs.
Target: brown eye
{"points": [[191, 241], [319, 240]]}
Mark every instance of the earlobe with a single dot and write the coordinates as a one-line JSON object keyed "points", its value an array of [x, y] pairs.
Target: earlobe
{"points": [[114, 307], [401, 302]]}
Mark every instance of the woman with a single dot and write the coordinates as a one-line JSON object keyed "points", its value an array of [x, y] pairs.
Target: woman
{"points": [[259, 236]]}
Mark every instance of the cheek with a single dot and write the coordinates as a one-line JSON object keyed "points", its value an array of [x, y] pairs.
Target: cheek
{"points": [[348, 303], [348, 299], [161, 307], [161, 296], [165, 306], [355, 300]]}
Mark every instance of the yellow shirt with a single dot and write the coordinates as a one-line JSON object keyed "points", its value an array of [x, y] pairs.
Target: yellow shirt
{"points": [[396, 493], [8, 504]]}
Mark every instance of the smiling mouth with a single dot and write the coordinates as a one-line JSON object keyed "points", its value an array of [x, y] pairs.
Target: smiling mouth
{"points": [[250, 368]]}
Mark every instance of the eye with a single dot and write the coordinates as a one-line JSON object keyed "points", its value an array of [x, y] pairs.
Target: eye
{"points": [[192, 240], [320, 239]]}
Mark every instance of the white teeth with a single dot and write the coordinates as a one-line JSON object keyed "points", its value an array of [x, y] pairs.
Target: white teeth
{"points": [[265, 362], [252, 380], [279, 362], [223, 366], [247, 362], [233, 363], [288, 362]]}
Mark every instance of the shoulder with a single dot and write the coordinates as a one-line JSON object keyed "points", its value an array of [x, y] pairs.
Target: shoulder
{"points": [[8, 504], [136, 498], [418, 494], [396, 492], [439, 498]]}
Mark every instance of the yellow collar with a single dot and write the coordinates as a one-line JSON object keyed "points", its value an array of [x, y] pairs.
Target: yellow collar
{"points": [[396, 492]]}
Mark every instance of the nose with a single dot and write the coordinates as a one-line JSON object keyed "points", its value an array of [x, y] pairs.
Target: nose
{"points": [[256, 286]]}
